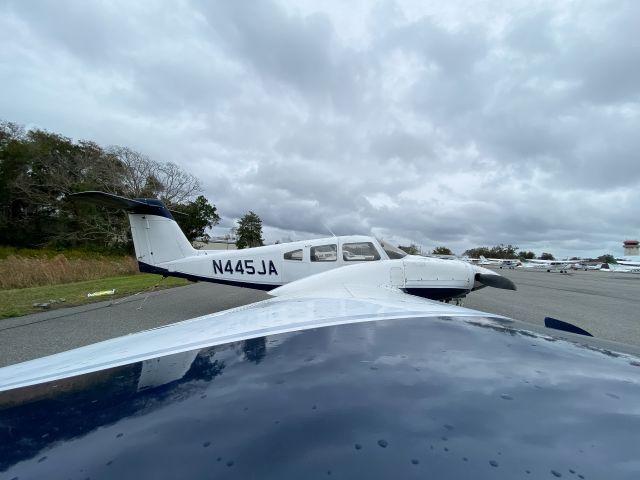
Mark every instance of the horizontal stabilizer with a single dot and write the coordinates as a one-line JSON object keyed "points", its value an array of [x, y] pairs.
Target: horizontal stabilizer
{"points": [[144, 206]]}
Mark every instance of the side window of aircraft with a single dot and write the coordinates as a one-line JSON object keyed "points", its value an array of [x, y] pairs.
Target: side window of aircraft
{"points": [[324, 253], [294, 255], [359, 252]]}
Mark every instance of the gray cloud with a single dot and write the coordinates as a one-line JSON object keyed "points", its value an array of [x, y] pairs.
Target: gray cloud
{"points": [[289, 50], [76, 26]]}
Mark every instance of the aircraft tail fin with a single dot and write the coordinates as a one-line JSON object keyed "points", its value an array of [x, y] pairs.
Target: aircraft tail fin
{"points": [[157, 238]]}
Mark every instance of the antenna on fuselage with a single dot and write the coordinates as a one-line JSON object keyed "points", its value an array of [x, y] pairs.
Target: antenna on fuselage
{"points": [[327, 227]]}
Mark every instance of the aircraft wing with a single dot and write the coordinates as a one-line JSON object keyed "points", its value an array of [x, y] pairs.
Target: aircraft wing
{"points": [[278, 315], [327, 298]]}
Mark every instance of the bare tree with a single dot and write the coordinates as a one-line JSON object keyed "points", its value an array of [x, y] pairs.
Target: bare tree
{"points": [[178, 185], [137, 170], [143, 177]]}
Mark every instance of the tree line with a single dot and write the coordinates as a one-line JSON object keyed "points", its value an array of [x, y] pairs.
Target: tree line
{"points": [[507, 252], [510, 252], [38, 169], [413, 249], [499, 251]]}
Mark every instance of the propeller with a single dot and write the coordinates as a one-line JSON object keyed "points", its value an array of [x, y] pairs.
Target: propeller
{"points": [[564, 326], [495, 281]]}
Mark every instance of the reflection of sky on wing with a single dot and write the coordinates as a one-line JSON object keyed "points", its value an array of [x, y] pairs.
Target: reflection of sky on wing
{"points": [[449, 399]]}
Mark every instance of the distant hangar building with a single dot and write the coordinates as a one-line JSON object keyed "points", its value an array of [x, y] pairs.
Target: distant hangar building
{"points": [[631, 248]]}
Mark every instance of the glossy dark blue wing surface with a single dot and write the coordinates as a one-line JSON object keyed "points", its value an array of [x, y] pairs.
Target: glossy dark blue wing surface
{"points": [[414, 398]]}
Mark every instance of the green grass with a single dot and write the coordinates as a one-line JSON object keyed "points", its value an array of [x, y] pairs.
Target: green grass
{"points": [[16, 302]]}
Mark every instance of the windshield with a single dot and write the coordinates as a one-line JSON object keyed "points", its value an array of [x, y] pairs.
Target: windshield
{"points": [[393, 252]]}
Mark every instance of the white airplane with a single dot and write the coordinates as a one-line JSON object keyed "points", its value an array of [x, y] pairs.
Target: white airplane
{"points": [[499, 262], [162, 248], [627, 262], [621, 267], [484, 261], [561, 266]]}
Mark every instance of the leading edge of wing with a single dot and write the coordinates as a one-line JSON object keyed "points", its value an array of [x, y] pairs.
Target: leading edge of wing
{"points": [[273, 316]]}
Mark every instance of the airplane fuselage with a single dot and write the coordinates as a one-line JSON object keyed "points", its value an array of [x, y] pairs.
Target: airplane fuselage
{"points": [[162, 248], [273, 266]]}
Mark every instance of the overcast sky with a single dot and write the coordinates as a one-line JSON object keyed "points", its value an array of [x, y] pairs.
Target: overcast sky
{"points": [[457, 123]]}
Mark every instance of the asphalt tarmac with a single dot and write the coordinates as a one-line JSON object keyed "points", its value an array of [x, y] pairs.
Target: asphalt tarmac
{"points": [[46, 333], [605, 304]]}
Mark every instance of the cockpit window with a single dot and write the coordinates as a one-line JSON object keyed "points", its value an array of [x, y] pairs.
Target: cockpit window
{"points": [[359, 252], [294, 255], [324, 253], [393, 252]]}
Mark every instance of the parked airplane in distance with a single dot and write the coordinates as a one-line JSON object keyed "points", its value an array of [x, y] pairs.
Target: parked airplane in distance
{"points": [[484, 261], [620, 267], [499, 262], [562, 266], [628, 261], [162, 248]]}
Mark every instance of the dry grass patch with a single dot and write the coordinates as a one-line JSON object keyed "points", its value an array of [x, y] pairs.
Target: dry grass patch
{"points": [[24, 272]]}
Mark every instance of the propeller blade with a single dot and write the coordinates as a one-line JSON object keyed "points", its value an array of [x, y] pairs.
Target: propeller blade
{"points": [[564, 326], [495, 281]]}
